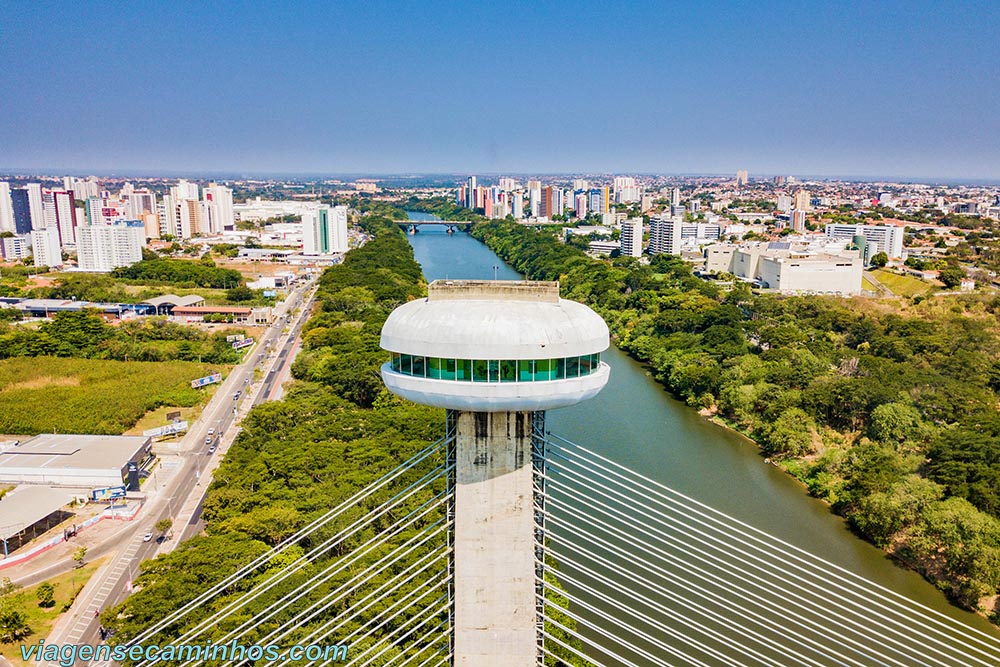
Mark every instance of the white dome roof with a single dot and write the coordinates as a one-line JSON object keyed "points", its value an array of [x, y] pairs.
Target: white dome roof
{"points": [[494, 329]]}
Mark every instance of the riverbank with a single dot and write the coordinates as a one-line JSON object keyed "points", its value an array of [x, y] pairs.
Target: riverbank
{"points": [[847, 395]]}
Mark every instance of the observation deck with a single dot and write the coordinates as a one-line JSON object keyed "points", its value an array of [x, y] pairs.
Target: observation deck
{"points": [[495, 346]]}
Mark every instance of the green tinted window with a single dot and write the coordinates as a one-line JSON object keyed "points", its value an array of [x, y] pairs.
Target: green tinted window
{"points": [[493, 370], [480, 370]]}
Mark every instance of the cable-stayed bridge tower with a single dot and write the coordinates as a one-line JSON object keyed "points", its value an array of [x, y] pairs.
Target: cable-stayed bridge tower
{"points": [[496, 355]]}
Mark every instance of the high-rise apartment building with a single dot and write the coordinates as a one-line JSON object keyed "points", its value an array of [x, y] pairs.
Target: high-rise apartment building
{"points": [[324, 230], [785, 203], [45, 247], [22, 210], [675, 197], [548, 206], [535, 201], [220, 207], [92, 207], [517, 205], [106, 247], [35, 205], [470, 192], [803, 201], [508, 184], [798, 219], [185, 190], [17, 247], [742, 177], [580, 184], [6, 208], [139, 202], [631, 238], [665, 235], [626, 190], [59, 211]]}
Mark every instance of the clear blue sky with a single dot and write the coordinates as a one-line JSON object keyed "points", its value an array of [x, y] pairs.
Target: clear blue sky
{"points": [[864, 88]]}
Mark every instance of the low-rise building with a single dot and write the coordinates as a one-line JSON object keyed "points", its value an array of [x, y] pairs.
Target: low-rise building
{"points": [[70, 460], [788, 268]]}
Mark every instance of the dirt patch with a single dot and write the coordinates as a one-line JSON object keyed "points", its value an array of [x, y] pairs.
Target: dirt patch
{"points": [[45, 381]]}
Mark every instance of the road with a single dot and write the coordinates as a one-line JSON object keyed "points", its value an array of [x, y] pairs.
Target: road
{"points": [[228, 406]]}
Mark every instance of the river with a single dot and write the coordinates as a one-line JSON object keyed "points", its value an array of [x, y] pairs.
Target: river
{"points": [[635, 422]]}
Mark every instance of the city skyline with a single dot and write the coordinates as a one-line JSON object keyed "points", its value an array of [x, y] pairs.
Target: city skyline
{"points": [[899, 91]]}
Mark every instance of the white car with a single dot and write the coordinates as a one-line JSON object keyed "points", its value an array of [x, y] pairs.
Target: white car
{"points": [[211, 431], [147, 537]]}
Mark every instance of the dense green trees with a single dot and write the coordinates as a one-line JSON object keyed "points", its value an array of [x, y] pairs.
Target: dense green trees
{"points": [[179, 272], [84, 334], [889, 413]]}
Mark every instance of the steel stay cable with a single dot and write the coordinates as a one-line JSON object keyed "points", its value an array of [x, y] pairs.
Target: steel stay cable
{"points": [[349, 559], [307, 614], [353, 612], [644, 636], [562, 558], [297, 565], [415, 642], [693, 588], [762, 602], [310, 528], [434, 613], [606, 651], [403, 604], [321, 578], [805, 602], [907, 621], [643, 618], [265, 586], [889, 596], [395, 643], [558, 659], [429, 646], [414, 594], [718, 636], [324, 604]]}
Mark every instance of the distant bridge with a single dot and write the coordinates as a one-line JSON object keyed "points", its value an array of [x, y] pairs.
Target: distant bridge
{"points": [[413, 226]]}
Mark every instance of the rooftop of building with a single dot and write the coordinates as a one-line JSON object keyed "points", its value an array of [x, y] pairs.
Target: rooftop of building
{"points": [[54, 451], [479, 319], [26, 505]]}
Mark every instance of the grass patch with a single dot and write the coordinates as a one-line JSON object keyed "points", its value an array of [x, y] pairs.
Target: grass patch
{"points": [[65, 395], [902, 285], [67, 586], [868, 285], [158, 417]]}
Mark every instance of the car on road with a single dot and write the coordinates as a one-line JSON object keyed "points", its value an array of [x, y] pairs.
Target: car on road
{"points": [[211, 431], [147, 537], [211, 450], [236, 396]]}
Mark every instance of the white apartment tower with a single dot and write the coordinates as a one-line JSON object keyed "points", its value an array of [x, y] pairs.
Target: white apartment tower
{"points": [[665, 235], [6, 209], [106, 247], [632, 237], [219, 200], [35, 206], [324, 230], [45, 245]]}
